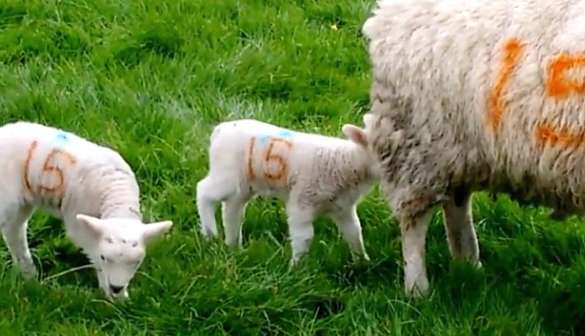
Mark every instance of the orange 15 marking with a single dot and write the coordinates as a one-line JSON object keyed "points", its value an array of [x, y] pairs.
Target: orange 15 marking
{"points": [[512, 51], [49, 168], [558, 86], [270, 158]]}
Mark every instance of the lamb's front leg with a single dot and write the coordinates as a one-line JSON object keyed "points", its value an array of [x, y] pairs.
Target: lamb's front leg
{"points": [[232, 210], [348, 223], [102, 280], [413, 233], [13, 227], [300, 225], [459, 226]]}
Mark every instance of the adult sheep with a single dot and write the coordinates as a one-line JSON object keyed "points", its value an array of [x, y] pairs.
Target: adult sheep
{"points": [[475, 95]]}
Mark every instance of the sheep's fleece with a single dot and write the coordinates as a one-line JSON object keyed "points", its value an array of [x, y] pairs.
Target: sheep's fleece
{"points": [[476, 95]]}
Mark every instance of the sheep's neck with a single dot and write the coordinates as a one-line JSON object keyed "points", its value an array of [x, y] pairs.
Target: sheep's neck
{"points": [[119, 197]]}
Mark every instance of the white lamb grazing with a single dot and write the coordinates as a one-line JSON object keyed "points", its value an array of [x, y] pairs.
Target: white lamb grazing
{"points": [[475, 95], [90, 187], [312, 174]]}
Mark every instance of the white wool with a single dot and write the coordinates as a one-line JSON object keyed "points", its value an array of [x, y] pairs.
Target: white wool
{"points": [[312, 174], [90, 187], [475, 95]]}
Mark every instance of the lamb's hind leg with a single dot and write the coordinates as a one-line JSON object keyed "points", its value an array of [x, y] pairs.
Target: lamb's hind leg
{"points": [[13, 227], [459, 227], [348, 223]]}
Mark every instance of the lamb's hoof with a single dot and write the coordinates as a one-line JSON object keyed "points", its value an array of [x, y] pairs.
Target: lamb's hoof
{"points": [[360, 258], [416, 293], [30, 273], [208, 234], [418, 290]]}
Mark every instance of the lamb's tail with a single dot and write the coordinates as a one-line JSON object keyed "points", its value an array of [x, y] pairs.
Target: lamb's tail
{"points": [[215, 132]]}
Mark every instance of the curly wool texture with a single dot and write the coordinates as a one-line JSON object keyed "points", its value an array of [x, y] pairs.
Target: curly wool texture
{"points": [[480, 95]]}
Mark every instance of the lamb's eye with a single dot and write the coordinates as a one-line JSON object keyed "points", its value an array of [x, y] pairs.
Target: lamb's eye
{"points": [[103, 258]]}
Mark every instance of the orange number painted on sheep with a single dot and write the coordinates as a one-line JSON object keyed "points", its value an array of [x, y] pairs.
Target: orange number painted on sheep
{"points": [[558, 86], [281, 162], [49, 168], [513, 49], [281, 172]]}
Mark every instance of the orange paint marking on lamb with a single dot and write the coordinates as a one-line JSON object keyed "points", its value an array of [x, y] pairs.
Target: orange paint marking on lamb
{"points": [[513, 49], [558, 85], [250, 168], [53, 169], [48, 168], [26, 167], [282, 172], [547, 134]]}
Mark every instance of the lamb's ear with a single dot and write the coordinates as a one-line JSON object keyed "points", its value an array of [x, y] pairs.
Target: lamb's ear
{"points": [[92, 223], [355, 134], [155, 230], [368, 119]]}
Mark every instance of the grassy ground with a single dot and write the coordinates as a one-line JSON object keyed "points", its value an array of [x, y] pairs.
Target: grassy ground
{"points": [[151, 78]]}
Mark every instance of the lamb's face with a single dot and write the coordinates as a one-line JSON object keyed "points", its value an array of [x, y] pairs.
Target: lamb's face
{"points": [[120, 254], [119, 250]]}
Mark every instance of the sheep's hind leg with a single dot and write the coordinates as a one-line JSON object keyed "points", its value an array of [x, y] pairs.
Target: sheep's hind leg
{"points": [[210, 191], [13, 227], [349, 224], [458, 222]]}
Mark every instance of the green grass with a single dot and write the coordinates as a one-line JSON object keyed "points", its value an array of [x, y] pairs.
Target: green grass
{"points": [[150, 79]]}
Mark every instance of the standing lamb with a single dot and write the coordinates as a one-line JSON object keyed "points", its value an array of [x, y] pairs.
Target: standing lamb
{"points": [[475, 95], [312, 174], [90, 187]]}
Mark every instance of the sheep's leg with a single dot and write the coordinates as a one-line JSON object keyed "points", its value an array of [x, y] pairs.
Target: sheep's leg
{"points": [[414, 230], [300, 225], [233, 209], [13, 228], [102, 280], [209, 192], [349, 224], [458, 222]]}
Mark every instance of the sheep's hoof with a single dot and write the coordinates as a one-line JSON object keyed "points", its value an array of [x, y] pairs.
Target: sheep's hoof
{"points": [[30, 273]]}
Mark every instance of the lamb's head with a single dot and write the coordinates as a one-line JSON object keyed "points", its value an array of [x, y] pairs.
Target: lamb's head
{"points": [[360, 137], [118, 248]]}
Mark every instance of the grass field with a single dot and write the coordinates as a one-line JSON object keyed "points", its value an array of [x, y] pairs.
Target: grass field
{"points": [[151, 78]]}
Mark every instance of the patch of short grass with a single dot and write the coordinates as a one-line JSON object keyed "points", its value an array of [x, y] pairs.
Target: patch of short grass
{"points": [[151, 78]]}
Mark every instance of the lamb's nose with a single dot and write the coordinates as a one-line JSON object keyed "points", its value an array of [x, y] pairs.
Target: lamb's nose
{"points": [[116, 289]]}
